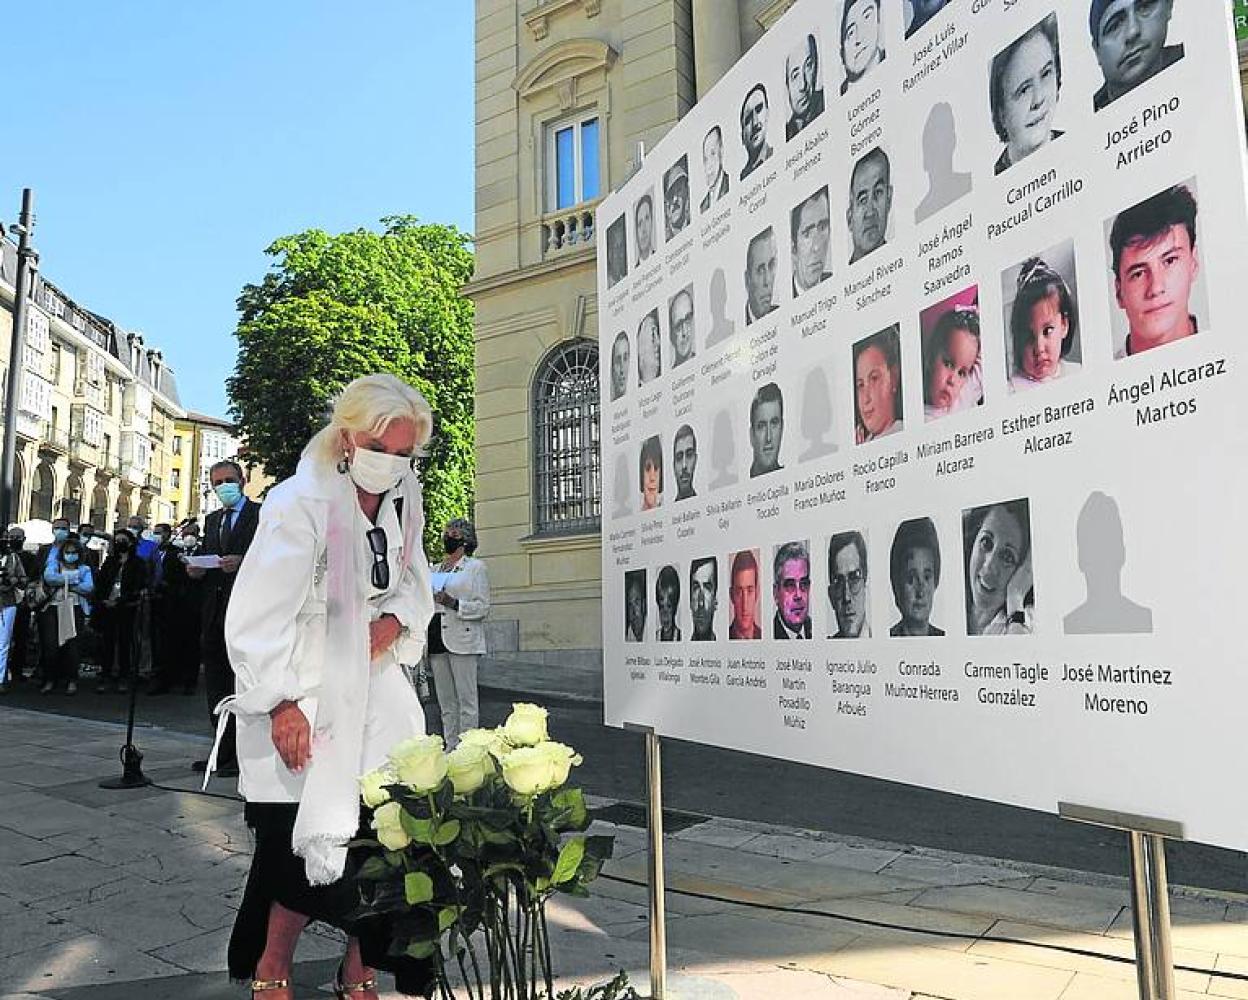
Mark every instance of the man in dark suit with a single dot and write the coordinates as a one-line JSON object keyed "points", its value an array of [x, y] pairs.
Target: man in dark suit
{"points": [[168, 585], [227, 533]]}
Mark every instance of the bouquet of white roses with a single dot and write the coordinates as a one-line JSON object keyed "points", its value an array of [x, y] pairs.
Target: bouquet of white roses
{"points": [[470, 844]]}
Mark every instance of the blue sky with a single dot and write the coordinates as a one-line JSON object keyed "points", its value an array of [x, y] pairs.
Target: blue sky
{"points": [[169, 143]]}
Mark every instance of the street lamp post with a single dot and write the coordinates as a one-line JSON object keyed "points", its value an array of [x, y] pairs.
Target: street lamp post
{"points": [[27, 258]]}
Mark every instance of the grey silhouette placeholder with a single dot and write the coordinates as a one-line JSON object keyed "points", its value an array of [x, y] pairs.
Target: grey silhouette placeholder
{"points": [[816, 416], [945, 185], [622, 484], [723, 452], [1102, 555], [722, 328]]}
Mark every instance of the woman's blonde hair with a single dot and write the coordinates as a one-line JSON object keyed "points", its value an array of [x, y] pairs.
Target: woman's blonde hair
{"points": [[370, 404]]}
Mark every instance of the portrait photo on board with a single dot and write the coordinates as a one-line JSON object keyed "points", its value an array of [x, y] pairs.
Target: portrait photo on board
{"points": [[722, 325], [685, 462], [877, 385], [1158, 294], [649, 348], [816, 419], [676, 207], [847, 585], [620, 365], [953, 370], [945, 182], [643, 226], [1132, 44], [761, 264], [803, 81], [914, 572], [870, 203], [703, 597], [743, 595], [650, 473], [810, 238], [766, 430], [996, 544], [1024, 84], [862, 40], [667, 602], [635, 605], [918, 13], [617, 252], [724, 449], [755, 121], [1041, 310], [680, 326], [1101, 543], [713, 172], [790, 590]]}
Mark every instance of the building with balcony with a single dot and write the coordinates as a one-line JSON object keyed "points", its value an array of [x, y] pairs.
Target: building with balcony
{"points": [[198, 442], [94, 403], [565, 92]]}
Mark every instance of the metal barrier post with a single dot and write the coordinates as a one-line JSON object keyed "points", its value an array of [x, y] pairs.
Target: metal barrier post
{"points": [[654, 825]]}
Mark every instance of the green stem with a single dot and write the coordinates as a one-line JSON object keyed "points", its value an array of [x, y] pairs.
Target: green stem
{"points": [[547, 965]]}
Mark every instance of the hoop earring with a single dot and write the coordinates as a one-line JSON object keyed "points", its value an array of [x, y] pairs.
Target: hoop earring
{"points": [[342, 464]]}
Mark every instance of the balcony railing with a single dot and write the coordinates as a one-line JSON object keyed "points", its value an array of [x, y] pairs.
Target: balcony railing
{"points": [[53, 439], [156, 431], [568, 230], [109, 465], [82, 452], [152, 483]]}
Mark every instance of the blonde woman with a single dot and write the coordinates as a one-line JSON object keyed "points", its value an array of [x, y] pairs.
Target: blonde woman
{"points": [[333, 596]]}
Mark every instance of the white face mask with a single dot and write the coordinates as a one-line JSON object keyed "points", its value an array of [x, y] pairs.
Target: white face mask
{"points": [[377, 472]]}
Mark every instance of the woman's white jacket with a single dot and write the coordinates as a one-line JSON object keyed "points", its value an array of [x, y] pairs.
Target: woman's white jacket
{"points": [[276, 625], [463, 629]]}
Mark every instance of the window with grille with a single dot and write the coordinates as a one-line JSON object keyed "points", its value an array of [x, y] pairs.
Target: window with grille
{"points": [[567, 480]]}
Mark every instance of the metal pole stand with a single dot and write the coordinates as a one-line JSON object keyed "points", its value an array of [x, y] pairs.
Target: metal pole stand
{"points": [[658, 888], [1150, 902], [132, 775]]}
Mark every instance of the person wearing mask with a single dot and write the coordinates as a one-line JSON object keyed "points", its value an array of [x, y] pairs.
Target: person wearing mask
{"points": [[461, 591], [70, 584], [119, 592], [228, 533], [187, 610], [94, 548], [144, 540], [25, 608], [167, 584], [45, 613], [12, 596]]}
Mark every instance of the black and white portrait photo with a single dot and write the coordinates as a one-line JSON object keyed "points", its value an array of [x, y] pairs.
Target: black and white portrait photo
{"points": [[713, 167], [635, 605], [685, 461], [680, 326], [649, 348], [847, 585], [919, 12], [676, 197], [703, 597], [667, 601], [862, 40], [870, 202], [914, 572], [761, 263], [803, 80], [619, 366], [1024, 84], [1130, 38], [810, 231], [1042, 340], [996, 541], [755, 118], [617, 252], [766, 429], [790, 585], [643, 226]]}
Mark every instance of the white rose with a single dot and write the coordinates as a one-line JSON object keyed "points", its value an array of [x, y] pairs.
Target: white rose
{"points": [[372, 787], [526, 726], [419, 763], [562, 760], [468, 766], [387, 821], [528, 771], [491, 739]]}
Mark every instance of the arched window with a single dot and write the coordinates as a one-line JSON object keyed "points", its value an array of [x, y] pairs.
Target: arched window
{"points": [[567, 480], [99, 509], [71, 503], [43, 483]]}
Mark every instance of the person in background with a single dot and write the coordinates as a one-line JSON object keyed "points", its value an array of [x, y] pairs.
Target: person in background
{"points": [[70, 585], [119, 592], [227, 533], [145, 542], [12, 596], [49, 643], [94, 547], [461, 593], [21, 621], [187, 610], [166, 584]]}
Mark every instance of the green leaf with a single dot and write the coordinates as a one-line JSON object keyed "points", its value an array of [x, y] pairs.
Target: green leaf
{"points": [[421, 949], [417, 887], [420, 830], [445, 833], [571, 812], [600, 847], [569, 860], [373, 869], [447, 916]]}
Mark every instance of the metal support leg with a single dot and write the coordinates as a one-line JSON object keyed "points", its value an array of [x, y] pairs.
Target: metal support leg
{"points": [[658, 915], [1154, 959]]}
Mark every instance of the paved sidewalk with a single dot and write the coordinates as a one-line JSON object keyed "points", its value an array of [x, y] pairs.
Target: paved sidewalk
{"points": [[112, 894]]}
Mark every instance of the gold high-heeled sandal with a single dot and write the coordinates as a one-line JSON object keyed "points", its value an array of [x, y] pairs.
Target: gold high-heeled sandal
{"points": [[268, 985], [341, 989]]}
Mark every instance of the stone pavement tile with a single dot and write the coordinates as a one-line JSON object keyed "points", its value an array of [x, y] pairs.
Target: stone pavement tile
{"points": [[946, 974], [864, 857], [791, 847], [755, 936], [175, 810], [794, 984], [207, 952], [940, 871], [18, 849], [47, 818], [152, 917], [597, 913], [229, 832], [1225, 986], [32, 774], [1086, 986], [1003, 902], [69, 899], [41, 879], [1100, 944], [677, 904], [717, 833], [1190, 930], [84, 960], [180, 863], [895, 911], [112, 842], [28, 929]]}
